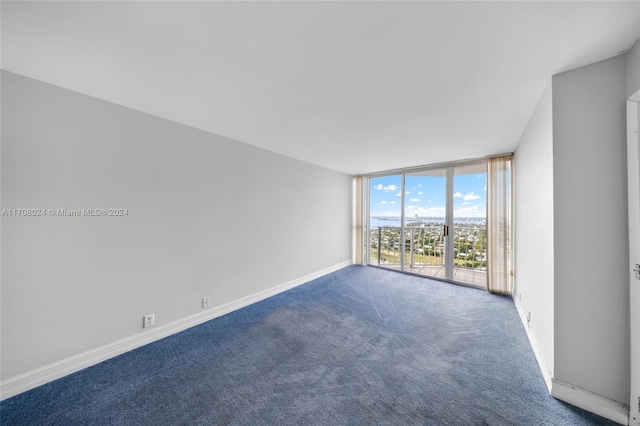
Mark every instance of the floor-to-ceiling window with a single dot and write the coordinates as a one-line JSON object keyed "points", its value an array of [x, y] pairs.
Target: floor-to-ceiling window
{"points": [[431, 221]]}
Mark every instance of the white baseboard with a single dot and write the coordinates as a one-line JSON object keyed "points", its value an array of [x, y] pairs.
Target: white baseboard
{"points": [[573, 395], [51, 372], [547, 375], [590, 401]]}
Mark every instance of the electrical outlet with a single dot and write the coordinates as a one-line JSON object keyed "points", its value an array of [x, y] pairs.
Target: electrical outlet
{"points": [[206, 302], [342, 258], [148, 320], [529, 317]]}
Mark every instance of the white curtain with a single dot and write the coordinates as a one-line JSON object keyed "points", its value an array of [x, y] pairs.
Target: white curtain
{"points": [[499, 226]]}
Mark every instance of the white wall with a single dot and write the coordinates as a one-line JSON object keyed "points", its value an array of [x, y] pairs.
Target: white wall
{"points": [[534, 281], [590, 224], [633, 69], [208, 216]]}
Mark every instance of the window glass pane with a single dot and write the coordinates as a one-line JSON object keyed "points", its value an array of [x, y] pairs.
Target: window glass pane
{"points": [[385, 208], [469, 223]]}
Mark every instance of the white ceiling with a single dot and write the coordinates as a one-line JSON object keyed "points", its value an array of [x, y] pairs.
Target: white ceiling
{"points": [[352, 86]]}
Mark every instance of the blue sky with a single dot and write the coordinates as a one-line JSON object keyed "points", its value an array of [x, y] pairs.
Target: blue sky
{"points": [[425, 196]]}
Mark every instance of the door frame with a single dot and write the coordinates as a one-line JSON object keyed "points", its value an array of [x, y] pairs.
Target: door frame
{"points": [[633, 176]]}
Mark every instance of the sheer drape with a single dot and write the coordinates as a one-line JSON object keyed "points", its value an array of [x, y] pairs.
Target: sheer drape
{"points": [[499, 227], [359, 220]]}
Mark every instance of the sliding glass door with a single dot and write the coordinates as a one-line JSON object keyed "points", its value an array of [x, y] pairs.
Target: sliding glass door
{"points": [[431, 222], [426, 237]]}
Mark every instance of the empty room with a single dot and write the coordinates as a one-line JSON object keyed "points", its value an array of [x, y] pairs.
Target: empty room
{"points": [[319, 213]]}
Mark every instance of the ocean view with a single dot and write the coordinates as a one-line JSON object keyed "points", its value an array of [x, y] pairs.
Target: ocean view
{"points": [[375, 222]]}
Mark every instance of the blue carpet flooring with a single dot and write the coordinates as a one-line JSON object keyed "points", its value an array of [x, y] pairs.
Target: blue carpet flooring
{"points": [[360, 346]]}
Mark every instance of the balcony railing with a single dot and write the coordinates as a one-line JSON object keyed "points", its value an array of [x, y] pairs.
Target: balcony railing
{"points": [[425, 246]]}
